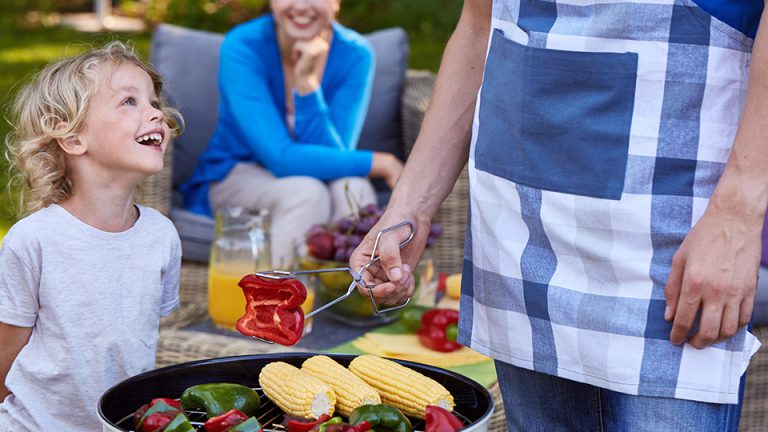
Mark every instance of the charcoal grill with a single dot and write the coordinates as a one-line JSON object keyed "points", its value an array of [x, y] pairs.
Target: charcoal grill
{"points": [[474, 404]]}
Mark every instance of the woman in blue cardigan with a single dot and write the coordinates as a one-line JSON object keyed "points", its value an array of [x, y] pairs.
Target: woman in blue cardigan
{"points": [[294, 88]]}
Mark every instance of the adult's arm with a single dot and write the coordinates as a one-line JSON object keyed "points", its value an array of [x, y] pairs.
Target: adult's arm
{"points": [[439, 155], [714, 271], [336, 121], [253, 113], [12, 340]]}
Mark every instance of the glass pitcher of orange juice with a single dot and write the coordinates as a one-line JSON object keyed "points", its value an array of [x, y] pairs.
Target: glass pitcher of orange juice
{"points": [[240, 247]]}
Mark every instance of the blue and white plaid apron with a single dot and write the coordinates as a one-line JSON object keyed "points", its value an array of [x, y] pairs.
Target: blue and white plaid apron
{"points": [[601, 130]]}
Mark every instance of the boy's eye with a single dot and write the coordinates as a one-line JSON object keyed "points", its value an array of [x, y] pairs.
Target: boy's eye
{"points": [[155, 104], [130, 100]]}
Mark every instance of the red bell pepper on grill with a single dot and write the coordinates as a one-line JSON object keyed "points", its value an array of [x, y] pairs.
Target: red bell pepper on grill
{"points": [[438, 330], [161, 416], [156, 422], [300, 424], [173, 403], [273, 309], [441, 420], [225, 421]]}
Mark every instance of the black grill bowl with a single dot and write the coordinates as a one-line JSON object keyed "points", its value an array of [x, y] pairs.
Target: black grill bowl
{"points": [[474, 404]]}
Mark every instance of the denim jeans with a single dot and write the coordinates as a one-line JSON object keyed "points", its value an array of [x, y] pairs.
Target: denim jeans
{"points": [[535, 402]]}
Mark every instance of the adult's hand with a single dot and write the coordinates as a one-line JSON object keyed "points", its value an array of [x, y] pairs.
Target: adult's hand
{"points": [[309, 58], [714, 274], [392, 274]]}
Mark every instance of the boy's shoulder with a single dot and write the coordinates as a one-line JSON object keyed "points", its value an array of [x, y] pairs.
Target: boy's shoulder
{"points": [[153, 214], [156, 220], [35, 223], [31, 229]]}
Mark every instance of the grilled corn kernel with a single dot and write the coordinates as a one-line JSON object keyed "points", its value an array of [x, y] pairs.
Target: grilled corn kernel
{"points": [[296, 392], [351, 391], [400, 386]]}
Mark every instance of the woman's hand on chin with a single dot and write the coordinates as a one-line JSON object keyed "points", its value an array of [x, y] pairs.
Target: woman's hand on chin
{"points": [[308, 60]]}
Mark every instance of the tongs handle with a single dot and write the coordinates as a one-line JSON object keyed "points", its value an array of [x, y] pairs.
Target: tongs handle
{"points": [[284, 274]]}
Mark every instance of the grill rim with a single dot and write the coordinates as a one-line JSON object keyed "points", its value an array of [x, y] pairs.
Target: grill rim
{"points": [[149, 376]]}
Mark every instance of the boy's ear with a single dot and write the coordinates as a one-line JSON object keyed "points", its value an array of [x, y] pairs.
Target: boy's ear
{"points": [[71, 145]]}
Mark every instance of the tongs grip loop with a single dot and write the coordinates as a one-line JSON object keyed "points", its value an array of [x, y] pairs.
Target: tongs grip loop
{"points": [[375, 257]]}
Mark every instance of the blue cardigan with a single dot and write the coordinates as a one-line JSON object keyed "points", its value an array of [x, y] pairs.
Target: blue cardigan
{"points": [[252, 126]]}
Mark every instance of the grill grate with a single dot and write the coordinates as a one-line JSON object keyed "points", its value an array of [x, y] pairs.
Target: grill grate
{"points": [[269, 416]]}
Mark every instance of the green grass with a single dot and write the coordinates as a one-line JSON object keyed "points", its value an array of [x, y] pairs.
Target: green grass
{"points": [[22, 54]]}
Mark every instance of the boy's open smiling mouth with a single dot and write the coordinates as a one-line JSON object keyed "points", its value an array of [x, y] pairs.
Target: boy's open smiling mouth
{"points": [[151, 139]]}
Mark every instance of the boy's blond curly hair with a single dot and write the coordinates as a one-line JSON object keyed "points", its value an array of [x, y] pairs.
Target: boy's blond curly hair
{"points": [[54, 106]]}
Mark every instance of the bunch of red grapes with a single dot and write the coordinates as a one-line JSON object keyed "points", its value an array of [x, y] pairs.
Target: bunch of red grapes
{"points": [[338, 240]]}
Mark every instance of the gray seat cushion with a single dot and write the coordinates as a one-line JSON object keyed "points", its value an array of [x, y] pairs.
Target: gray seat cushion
{"points": [[188, 60], [196, 233], [382, 129]]}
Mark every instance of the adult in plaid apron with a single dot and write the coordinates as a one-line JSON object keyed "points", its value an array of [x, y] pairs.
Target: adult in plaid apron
{"points": [[601, 131]]}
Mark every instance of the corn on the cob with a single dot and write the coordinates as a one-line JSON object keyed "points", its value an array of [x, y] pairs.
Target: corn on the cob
{"points": [[400, 386], [296, 392], [351, 391]]}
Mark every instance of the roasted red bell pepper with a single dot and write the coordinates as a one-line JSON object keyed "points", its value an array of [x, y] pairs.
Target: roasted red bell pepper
{"points": [[225, 421], [441, 420], [161, 416], [299, 424], [273, 309], [156, 422], [434, 325], [144, 408]]}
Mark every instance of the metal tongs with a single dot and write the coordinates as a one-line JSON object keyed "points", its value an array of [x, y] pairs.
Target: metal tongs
{"points": [[357, 276]]}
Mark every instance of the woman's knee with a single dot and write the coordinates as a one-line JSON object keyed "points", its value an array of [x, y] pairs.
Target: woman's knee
{"points": [[306, 193]]}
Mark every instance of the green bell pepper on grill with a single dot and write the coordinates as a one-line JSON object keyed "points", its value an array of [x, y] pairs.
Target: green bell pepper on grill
{"points": [[180, 423], [382, 418], [333, 420], [157, 417], [250, 425], [218, 398]]}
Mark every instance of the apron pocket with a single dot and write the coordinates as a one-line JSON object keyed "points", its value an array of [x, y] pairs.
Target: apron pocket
{"points": [[556, 120]]}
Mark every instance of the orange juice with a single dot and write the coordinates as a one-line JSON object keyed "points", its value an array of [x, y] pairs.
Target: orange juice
{"points": [[307, 307], [226, 302]]}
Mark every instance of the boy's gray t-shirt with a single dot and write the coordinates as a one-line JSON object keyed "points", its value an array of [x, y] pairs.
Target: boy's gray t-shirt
{"points": [[94, 299]]}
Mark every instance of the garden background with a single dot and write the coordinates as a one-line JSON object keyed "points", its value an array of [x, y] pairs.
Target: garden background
{"points": [[30, 37]]}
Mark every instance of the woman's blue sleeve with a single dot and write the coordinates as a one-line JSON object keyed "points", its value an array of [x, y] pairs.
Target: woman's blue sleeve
{"points": [[254, 116], [336, 122]]}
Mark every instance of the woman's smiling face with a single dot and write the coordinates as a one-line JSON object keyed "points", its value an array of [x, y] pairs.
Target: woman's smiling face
{"points": [[303, 19]]}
